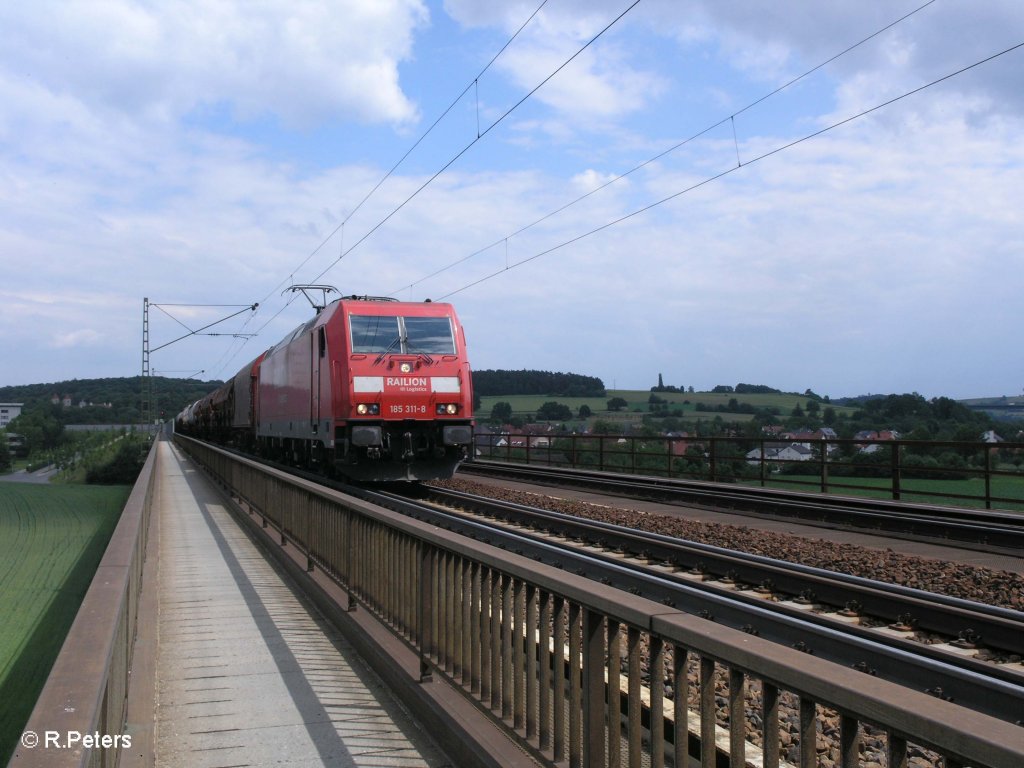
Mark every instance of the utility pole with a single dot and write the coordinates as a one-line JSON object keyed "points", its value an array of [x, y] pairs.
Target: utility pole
{"points": [[146, 401], [147, 379]]}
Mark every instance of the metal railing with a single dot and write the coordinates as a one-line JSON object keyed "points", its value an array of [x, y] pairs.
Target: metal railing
{"points": [[962, 473], [581, 673], [79, 718]]}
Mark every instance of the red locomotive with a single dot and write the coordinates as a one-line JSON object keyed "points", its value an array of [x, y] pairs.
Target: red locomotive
{"points": [[371, 388]]}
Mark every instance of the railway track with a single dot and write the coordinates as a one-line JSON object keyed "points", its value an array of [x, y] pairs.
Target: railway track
{"points": [[864, 624], [984, 530], [665, 570], [737, 689]]}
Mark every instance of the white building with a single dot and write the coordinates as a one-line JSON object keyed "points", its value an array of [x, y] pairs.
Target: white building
{"points": [[781, 452], [9, 412]]}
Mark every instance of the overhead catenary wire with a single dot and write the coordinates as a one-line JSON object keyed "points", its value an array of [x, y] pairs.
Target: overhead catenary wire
{"points": [[480, 136], [731, 119], [733, 169], [343, 252], [474, 83], [199, 331]]}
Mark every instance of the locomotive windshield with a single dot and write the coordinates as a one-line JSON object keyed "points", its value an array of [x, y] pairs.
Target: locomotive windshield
{"points": [[408, 335]]}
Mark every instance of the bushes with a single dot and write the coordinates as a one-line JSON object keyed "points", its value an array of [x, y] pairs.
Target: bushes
{"points": [[948, 466], [124, 466]]}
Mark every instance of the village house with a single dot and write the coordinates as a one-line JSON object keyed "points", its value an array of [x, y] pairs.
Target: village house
{"points": [[534, 435], [808, 440], [871, 438], [781, 452], [679, 442], [67, 401]]}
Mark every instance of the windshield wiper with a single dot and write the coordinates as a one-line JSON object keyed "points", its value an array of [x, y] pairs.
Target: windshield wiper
{"points": [[420, 353], [387, 349]]}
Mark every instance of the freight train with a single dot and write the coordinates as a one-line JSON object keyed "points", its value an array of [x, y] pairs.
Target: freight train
{"points": [[371, 389]]}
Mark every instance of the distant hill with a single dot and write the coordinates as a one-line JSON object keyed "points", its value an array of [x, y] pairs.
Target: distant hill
{"points": [[1001, 408], [107, 401], [1013, 401]]}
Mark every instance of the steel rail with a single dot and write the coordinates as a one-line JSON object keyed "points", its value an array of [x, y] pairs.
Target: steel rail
{"points": [[967, 685], [964, 620], [986, 530], [986, 687]]}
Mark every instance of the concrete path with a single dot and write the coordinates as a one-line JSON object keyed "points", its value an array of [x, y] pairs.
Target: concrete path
{"points": [[248, 673], [21, 476]]}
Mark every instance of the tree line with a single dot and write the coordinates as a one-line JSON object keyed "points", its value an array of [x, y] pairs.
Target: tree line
{"points": [[41, 423], [529, 382], [124, 395]]}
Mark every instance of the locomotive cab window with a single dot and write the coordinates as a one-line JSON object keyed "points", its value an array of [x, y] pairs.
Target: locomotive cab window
{"points": [[408, 335], [374, 333], [431, 335]]}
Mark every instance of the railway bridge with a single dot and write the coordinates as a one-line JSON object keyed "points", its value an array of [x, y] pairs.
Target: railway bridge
{"points": [[242, 616]]}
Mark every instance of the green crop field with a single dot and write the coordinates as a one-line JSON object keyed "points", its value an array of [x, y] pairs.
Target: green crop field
{"points": [[638, 404], [51, 541]]}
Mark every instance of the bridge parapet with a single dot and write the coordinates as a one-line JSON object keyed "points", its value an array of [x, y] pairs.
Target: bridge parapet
{"points": [[536, 647], [79, 719]]}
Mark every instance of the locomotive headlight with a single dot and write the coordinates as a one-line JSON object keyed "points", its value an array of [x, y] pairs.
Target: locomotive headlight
{"points": [[405, 367], [367, 409], [449, 409]]}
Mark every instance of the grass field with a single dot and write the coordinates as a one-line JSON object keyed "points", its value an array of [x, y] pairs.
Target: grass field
{"points": [[637, 400], [51, 540], [961, 493]]}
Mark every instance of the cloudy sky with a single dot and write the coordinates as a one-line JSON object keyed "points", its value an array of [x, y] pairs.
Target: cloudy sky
{"points": [[209, 152]]}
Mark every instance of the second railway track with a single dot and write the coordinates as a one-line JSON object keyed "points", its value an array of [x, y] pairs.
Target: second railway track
{"points": [[983, 530], [663, 569], [609, 555]]}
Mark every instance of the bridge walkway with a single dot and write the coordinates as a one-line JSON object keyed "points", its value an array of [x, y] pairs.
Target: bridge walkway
{"points": [[247, 670]]}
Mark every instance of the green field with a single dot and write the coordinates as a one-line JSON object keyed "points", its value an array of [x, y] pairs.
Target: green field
{"points": [[637, 400], [961, 493], [51, 541]]}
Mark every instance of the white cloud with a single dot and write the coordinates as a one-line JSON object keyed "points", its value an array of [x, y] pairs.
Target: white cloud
{"points": [[123, 174], [601, 83], [83, 337], [789, 38], [299, 61], [590, 180]]}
